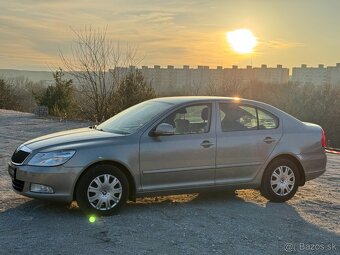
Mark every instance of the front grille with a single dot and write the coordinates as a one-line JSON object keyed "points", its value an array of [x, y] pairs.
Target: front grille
{"points": [[19, 156], [18, 185]]}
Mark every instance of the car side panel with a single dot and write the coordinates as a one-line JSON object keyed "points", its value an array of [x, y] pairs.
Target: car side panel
{"points": [[123, 150], [304, 144], [241, 154], [171, 162]]}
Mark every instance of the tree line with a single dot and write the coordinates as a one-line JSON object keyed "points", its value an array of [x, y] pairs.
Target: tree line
{"points": [[65, 100]]}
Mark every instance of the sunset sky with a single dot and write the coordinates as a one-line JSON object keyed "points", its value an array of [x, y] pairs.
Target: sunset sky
{"points": [[173, 32]]}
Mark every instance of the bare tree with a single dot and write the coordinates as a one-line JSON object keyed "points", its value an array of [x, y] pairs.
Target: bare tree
{"points": [[193, 88], [231, 87], [23, 89], [92, 63], [212, 88]]}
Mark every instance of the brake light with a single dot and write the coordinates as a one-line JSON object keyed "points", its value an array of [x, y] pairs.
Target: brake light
{"points": [[323, 138]]}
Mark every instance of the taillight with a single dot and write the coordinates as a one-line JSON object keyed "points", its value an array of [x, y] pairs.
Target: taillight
{"points": [[323, 138]]}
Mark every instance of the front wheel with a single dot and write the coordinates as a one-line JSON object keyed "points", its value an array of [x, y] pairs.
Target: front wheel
{"points": [[280, 180], [102, 190]]}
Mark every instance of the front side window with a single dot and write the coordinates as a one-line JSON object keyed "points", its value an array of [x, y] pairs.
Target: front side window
{"points": [[237, 117], [193, 119]]}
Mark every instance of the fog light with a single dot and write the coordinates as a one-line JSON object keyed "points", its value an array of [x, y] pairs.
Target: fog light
{"points": [[38, 188]]}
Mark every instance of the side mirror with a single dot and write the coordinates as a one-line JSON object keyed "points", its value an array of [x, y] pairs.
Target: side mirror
{"points": [[164, 129]]}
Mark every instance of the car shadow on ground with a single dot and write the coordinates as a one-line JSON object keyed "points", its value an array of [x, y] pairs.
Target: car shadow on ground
{"points": [[198, 223]]}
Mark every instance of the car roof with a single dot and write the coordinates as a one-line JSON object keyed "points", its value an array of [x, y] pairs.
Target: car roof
{"points": [[178, 100], [191, 99]]}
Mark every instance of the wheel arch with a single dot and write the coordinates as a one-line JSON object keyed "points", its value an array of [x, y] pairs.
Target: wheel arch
{"points": [[296, 162], [123, 168]]}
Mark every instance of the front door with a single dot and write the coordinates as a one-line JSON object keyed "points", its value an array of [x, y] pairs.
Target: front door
{"points": [[185, 159]]}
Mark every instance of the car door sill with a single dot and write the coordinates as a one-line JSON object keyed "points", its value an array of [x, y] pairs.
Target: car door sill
{"points": [[239, 165], [189, 190], [157, 171]]}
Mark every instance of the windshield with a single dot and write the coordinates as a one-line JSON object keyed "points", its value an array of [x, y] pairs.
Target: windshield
{"points": [[135, 117]]}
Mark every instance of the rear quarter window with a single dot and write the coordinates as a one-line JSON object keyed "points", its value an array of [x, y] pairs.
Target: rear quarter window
{"points": [[267, 120]]}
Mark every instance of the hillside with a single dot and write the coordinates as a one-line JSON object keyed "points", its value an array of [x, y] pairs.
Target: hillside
{"points": [[34, 76]]}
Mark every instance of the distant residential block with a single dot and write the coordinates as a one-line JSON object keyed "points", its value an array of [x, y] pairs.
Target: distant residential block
{"points": [[174, 79], [317, 75]]}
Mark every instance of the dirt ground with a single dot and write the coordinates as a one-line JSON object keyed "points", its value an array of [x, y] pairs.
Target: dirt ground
{"points": [[240, 222]]}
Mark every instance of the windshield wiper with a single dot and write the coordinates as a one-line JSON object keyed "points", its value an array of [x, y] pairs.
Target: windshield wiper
{"points": [[96, 128], [121, 132]]}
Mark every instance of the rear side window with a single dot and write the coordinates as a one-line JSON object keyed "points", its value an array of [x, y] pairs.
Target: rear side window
{"points": [[236, 117], [267, 120]]}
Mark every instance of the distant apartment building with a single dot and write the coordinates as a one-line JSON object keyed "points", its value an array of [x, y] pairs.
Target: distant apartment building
{"points": [[175, 79], [317, 75]]}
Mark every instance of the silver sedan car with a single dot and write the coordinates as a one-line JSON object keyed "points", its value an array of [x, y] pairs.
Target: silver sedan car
{"points": [[170, 146]]}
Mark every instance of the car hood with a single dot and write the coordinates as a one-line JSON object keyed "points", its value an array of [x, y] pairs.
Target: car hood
{"points": [[79, 135]]}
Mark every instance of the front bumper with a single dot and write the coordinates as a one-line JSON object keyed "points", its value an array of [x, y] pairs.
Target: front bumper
{"points": [[61, 179]]}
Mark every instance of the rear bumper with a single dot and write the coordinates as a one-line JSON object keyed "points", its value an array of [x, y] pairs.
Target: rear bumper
{"points": [[312, 175], [314, 164], [61, 179]]}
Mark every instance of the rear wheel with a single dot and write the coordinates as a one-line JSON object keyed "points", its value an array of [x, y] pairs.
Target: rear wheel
{"points": [[102, 190], [280, 180]]}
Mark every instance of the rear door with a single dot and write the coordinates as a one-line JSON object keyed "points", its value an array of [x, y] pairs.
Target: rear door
{"points": [[246, 135]]}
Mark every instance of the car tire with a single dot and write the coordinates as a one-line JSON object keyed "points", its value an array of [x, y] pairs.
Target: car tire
{"points": [[280, 180], [102, 190]]}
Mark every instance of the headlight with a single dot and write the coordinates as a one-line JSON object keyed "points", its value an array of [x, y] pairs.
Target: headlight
{"points": [[54, 158]]}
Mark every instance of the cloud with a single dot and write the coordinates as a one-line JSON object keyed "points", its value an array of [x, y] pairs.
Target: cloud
{"points": [[150, 16], [34, 31], [166, 32], [275, 44]]}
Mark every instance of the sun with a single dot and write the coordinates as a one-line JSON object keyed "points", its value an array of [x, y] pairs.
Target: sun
{"points": [[241, 40]]}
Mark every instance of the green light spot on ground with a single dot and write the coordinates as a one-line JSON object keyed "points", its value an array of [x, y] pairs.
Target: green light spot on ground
{"points": [[92, 219]]}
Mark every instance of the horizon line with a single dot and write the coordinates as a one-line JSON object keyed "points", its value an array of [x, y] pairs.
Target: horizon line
{"points": [[196, 67]]}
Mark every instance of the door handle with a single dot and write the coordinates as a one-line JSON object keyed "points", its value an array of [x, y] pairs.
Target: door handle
{"points": [[269, 140], [206, 144]]}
